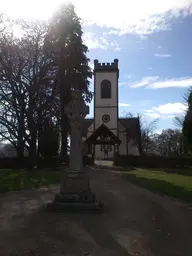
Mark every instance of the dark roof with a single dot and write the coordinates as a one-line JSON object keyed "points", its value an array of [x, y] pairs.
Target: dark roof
{"points": [[103, 130], [131, 124]]}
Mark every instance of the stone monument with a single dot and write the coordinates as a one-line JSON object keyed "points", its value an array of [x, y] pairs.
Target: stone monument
{"points": [[75, 192]]}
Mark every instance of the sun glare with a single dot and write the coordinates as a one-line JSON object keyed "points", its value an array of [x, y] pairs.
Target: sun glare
{"points": [[126, 16], [30, 9]]}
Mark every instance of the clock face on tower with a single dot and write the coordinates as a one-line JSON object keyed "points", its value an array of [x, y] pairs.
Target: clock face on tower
{"points": [[105, 118]]}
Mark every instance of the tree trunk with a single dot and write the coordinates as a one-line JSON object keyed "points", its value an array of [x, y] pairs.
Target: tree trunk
{"points": [[20, 149], [39, 127], [33, 150], [21, 142], [38, 140], [21, 130]]}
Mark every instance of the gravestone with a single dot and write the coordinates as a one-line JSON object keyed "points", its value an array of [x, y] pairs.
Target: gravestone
{"points": [[75, 192]]}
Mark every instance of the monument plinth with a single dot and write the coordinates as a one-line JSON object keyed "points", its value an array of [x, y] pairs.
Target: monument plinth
{"points": [[75, 192]]}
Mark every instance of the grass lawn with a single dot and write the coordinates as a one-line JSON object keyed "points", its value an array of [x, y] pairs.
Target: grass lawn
{"points": [[19, 179], [175, 185]]}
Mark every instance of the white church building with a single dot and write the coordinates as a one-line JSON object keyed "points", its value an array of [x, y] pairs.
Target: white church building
{"points": [[106, 133]]}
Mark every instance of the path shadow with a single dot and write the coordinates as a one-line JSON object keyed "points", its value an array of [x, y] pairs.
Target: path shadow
{"points": [[76, 234], [37, 232]]}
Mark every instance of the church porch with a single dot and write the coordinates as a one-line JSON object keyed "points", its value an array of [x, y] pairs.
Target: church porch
{"points": [[103, 143]]}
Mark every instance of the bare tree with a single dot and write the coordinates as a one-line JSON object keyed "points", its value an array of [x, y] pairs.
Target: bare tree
{"points": [[147, 128], [168, 143], [27, 91], [37, 71], [4, 24], [10, 90]]}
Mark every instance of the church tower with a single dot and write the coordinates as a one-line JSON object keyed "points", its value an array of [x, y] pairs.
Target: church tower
{"points": [[106, 101]]}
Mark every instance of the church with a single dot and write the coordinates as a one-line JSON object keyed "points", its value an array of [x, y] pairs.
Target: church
{"points": [[106, 134]]}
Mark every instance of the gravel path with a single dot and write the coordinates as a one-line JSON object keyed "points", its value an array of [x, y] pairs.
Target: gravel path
{"points": [[135, 222]]}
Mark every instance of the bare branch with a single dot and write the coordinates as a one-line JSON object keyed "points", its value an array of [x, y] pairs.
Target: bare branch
{"points": [[178, 121], [147, 131]]}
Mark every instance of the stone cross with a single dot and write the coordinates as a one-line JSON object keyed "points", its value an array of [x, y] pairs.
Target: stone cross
{"points": [[76, 111]]}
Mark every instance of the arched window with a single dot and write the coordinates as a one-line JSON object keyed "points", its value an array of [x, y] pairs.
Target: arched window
{"points": [[105, 89]]}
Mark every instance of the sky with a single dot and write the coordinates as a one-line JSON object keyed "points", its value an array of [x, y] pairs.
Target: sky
{"points": [[152, 40]]}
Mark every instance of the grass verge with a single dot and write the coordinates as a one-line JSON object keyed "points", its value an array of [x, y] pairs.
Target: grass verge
{"points": [[11, 180], [174, 185]]}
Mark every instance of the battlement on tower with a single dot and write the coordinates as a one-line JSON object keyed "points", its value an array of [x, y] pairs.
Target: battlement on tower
{"points": [[106, 66]]}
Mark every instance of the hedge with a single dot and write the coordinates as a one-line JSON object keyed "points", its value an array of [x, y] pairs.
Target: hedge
{"points": [[18, 163], [153, 161]]}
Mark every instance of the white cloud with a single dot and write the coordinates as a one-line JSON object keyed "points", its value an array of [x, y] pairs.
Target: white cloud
{"points": [[175, 82], [145, 81], [168, 110], [137, 17], [115, 46], [112, 32], [124, 105], [154, 82], [122, 83], [122, 16], [93, 41], [162, 55], [152, 115]]}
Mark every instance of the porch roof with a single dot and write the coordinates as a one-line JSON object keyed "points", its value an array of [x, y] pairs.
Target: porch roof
{"points": [[105, 134]]}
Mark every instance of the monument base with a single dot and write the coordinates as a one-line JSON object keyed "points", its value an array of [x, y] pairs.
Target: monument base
{"points": [[75, 195], [74, 207]]}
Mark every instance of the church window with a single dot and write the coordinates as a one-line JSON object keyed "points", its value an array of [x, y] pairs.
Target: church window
{"points": [[105, 118], [105, 89]]}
